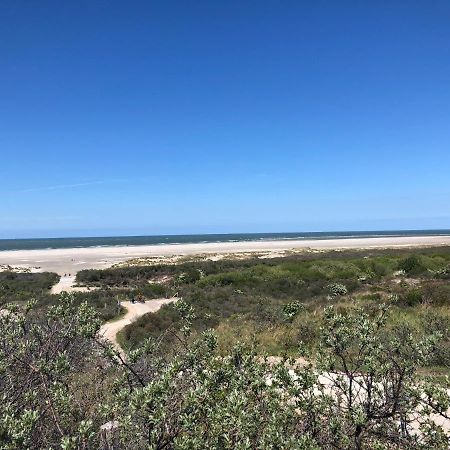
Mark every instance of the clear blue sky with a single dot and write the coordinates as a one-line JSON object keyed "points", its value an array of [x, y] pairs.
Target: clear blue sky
{"points": [[160, 117]]}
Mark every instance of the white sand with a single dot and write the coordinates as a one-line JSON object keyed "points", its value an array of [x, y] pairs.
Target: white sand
{"points": [[69, 261], [67, 284]]}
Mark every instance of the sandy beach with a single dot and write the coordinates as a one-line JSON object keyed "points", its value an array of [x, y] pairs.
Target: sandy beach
{"points": [[71, 260]]}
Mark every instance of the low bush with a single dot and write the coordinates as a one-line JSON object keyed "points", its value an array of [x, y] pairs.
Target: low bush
{"points": [[291, 309], [337, 289], [412, 297], [412, 265]]}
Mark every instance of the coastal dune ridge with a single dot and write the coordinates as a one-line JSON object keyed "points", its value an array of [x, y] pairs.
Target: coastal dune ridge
{"points": [[71, 260]]}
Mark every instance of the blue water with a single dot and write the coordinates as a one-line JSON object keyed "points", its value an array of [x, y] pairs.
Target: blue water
{"points": [[79, 242]]}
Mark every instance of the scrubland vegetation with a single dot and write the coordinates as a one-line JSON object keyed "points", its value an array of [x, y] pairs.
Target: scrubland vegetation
{"points": [[16, 287], [19, 288], [363, 336], [277, 303]]}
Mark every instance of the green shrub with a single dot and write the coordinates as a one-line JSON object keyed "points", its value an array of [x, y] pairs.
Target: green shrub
{"points": [[413, 297], [337, 289], [443, 272], [412, 265], [380, 269], [191, 275], [155, 290], [291, 309]]}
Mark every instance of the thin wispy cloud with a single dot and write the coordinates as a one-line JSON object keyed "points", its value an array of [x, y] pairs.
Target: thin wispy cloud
{"points": [[64, 186]]}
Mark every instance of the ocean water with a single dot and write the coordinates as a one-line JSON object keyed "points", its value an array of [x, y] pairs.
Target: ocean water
{"points": [[80, 242]]}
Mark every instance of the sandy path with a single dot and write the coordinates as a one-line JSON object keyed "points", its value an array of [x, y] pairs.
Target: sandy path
{"points": [[64, 284], [134, 310], [67, 284]]}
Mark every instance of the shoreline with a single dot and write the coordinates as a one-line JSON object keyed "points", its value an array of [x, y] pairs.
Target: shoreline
{"points": [[71, 260]]}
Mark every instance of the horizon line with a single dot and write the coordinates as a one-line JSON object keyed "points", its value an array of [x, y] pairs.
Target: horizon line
{"points": [[334, 231]]}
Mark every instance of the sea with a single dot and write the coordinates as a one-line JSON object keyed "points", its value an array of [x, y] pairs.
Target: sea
{"points": [[83, 242]]}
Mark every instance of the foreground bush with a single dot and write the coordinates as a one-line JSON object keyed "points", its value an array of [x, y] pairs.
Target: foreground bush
{"points": [[39, 364], [63, 387]]}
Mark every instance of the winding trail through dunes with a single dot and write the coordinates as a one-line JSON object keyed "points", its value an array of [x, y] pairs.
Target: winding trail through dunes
{"points": [[134, 310]]}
